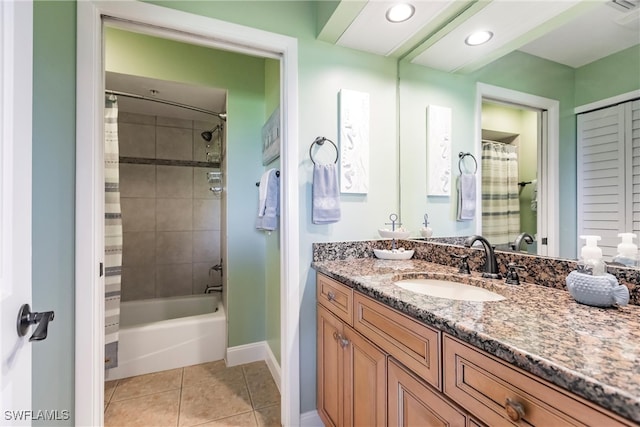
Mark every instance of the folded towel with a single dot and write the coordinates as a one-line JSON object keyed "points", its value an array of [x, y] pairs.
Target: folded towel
{"points": [[262, 190], [534, 195], [466, 197], [268, 216], [326, 194]]}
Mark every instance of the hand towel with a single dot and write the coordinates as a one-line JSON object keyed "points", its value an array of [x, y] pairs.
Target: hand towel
{"points": [[325, 194], [268, 217], [262, 191], [534, 195], [466, 197]]}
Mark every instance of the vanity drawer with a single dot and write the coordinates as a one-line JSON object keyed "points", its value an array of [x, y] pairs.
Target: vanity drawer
{"points": [[412, 343], [336, 297], [498, 393]]}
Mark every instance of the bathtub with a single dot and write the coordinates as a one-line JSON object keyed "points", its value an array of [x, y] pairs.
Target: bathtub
{"points": [[167, 333]]}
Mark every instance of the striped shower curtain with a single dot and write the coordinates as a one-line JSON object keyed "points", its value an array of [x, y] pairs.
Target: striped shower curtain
{"points": [[500, 196], [112, 233]]}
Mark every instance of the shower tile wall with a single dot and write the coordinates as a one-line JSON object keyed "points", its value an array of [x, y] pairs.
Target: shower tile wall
{"points": [[170, 219]]}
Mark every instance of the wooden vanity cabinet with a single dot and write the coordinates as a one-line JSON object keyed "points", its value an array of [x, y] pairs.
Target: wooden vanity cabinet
{"points": [[351, 372], [377, 366], [413, 403]]}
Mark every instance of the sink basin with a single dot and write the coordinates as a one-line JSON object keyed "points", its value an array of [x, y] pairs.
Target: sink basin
{"points": [[450, 290]]}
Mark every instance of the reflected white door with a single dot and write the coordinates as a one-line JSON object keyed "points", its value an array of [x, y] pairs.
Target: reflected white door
{"points": [[16, 29]]}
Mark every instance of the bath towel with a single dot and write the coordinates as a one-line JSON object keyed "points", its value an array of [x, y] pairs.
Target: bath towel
{"points": [[466, 197], [269, 203], [534, 195], [326, 194]]}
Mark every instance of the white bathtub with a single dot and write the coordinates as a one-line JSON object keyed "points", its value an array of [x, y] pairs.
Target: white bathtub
{"points": [[168, 333]]}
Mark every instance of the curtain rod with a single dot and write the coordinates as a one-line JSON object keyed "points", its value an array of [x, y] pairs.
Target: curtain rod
{"points": [[222, 116]]}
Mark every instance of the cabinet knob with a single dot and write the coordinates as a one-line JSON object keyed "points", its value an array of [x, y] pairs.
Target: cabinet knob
{"points": [[331, 296], [514, 409], [343, 341]]}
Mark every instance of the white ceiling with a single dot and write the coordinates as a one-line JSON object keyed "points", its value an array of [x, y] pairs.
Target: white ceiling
{"points": [[208, 98], [571, 32]]}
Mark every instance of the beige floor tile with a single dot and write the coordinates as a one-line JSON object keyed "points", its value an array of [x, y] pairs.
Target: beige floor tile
{"points": [[142, 385], [262, 388], [158, 409], [268, 416], [198, 373], [247, 419], [109, 388], [223, 395]]}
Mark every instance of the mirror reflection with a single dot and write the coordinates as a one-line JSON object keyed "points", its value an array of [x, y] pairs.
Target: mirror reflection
{"points": [[529, 189]]}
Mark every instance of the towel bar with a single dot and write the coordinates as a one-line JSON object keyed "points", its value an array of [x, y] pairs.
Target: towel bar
{"points": [[462, 155], [320, 141]]}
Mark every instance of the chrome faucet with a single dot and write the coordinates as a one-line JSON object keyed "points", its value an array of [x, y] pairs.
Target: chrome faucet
{"points": [[490, 269], [213, 288], [518, 242]]}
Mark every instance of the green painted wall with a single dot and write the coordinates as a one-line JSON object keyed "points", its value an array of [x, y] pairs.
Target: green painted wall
{"points": [[53, 234], [420, 86], [272, 298], [243, 77], [616, 74]]}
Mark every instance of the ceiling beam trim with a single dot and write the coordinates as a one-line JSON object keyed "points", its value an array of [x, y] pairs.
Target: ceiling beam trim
{"points": [[334, 17]]}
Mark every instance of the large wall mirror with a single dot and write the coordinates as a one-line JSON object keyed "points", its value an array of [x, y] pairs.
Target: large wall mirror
{"points": [[540, 149]]}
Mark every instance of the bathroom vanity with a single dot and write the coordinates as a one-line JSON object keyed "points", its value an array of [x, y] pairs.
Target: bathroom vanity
{"points": [[390, 356]]}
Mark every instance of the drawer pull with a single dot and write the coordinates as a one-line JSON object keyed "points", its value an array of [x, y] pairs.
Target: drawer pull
{"points": [[341, 339], [514, 409], [331, 296]]}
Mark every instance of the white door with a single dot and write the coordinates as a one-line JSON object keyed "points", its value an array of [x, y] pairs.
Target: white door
{"points": [[15, 207]]}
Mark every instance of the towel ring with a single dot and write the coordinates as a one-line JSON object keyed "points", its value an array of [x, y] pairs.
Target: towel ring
{"points": [[320, 141], [462, 155]]}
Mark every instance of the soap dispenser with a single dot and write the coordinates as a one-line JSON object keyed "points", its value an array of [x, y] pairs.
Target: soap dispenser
{"points": [[627, 251], [591, 261]]}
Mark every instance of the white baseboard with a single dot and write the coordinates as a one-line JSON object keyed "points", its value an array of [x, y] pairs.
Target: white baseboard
{"points": [[254, 352], [311, 419]]}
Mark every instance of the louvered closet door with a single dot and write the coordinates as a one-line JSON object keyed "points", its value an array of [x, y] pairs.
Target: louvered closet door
{"points": [[635, 167], [602, 195]]}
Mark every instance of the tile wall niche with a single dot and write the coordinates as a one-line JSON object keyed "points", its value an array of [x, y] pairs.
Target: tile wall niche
{"points": [[170, 218]]}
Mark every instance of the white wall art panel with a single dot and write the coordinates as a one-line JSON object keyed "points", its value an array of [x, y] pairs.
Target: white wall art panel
{"points": [[354, 142], [438, 151]]}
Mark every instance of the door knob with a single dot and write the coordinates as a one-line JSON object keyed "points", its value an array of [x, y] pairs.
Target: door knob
{"points": [[26, 318]]}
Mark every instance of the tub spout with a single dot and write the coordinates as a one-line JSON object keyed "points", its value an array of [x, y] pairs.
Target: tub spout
{"points": [[213, 288]]}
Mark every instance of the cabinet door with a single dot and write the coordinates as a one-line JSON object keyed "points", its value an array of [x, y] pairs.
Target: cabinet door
{"points": [[330, 369], [365, 382], [414, 403]]}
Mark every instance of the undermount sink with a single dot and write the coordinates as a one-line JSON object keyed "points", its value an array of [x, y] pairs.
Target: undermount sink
{"points": [[447, 289]]}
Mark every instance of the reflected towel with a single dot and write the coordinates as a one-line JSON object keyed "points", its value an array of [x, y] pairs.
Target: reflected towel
{"points": [[534, 195], [325, 194], [466, 197], [269, 211]]}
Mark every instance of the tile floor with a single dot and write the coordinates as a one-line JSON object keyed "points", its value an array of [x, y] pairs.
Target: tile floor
{"points": [[208, 395]]}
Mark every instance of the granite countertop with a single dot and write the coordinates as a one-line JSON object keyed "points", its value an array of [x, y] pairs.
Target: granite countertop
{"points": [[593, 352]]}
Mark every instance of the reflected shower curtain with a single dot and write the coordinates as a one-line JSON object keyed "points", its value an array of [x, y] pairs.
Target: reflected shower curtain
{"points": [[500, 196], [112, 233]]}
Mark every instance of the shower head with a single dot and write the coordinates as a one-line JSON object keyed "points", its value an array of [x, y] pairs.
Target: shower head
{"points": [[208, 134]]}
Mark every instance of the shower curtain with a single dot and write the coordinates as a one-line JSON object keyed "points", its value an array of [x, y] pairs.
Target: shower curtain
{"points": [[112, 233], [500, 198]]}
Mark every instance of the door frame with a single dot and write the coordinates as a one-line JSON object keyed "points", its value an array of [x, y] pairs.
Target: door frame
{"points": [[194, 29], [16, 129], [548, 160]]}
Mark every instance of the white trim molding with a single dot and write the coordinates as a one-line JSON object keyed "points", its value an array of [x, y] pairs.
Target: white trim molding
{"points": [[607, 102], [186, 27], [254, 352], [311, 419], [548, 182]]}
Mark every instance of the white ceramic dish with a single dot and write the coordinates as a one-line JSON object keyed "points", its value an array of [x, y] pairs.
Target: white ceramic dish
{"points": [[397, 234], [393, 254]]}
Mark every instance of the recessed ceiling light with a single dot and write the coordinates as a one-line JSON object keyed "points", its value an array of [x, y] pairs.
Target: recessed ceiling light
{"points": [[400, 12], [479, 37]]}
